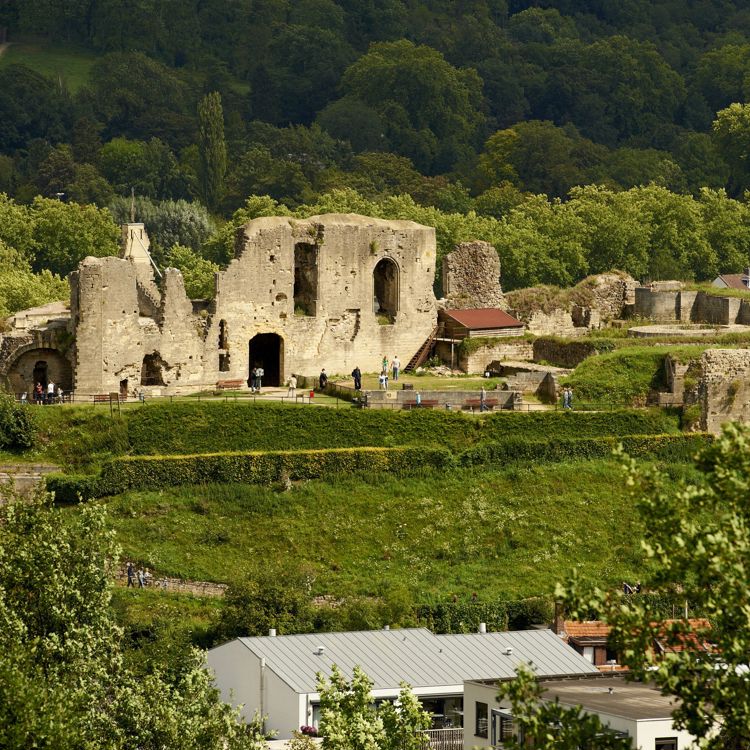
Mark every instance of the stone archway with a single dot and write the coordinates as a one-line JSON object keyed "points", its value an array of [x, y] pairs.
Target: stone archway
{"points": [[385, 288], [39, 365], [266, 350]]}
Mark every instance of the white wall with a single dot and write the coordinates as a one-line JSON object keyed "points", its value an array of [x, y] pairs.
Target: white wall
{"points": [[474, 692]]}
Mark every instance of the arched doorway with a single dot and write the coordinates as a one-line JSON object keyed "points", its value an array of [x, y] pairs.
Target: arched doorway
{"points": [[40, 374], [40, 365], [266, 350], [385, 288]]}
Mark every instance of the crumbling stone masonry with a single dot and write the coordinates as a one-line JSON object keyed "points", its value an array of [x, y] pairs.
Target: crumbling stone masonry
{"points": [[334, 291], [471, 277]]}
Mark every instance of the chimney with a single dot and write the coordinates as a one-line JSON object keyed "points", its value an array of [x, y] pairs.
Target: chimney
{"points": [[482, 627], [272, 632]]}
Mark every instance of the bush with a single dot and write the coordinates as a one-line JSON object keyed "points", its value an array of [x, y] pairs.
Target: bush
{"points": [[150, 472], [657, 447], [465, 617], [17, 425], [189, 428]]}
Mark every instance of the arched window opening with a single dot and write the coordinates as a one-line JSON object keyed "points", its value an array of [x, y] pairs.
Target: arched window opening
{"points": [[305, 279], [385, 282], [151, 371]]}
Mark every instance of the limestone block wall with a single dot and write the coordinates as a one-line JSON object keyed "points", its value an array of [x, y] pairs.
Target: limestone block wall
{"points": [[340, 329], [559, 322], [476, 362], [396, 399], [655, 305], [724, 390], [471, 277]]}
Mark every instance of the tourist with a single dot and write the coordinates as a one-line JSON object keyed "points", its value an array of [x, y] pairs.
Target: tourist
{"points": [[626, 588], [323, 379], [570, 397], [141, 579], [259, 373], [38, 393], [566, 398], [253, 379], [24, 398], [418, 399], [292, 387], [384, 364], [483, 400], [383, 381], [50, 392], [396, 366], [131, 575], [357, 375]]}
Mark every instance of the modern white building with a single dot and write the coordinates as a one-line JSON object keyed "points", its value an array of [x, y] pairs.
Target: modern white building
{"points": [[277, 675], [630, 709]]}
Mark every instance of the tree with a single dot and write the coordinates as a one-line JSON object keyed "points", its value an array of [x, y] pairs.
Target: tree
{"points": [[197, 273], [63, 681], [697, 537], [212, 149], [65, 233], [731, 132], [430, 109], [349, 719], [17, 424]]}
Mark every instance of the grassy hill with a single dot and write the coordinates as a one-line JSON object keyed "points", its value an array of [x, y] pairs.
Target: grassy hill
{"points": [[64, 62]]}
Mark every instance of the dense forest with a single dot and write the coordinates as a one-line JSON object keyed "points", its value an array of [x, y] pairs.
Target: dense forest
{"points": [[486, 118]]}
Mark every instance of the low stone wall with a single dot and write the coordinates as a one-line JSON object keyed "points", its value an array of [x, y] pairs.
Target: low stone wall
{"points": [[457, 400], [556, 323], [562, 353], [655, 305], [476, 362], [689, 306], [175, 585]]}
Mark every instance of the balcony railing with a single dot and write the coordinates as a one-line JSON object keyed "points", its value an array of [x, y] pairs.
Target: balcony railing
{"points": [[443, 739]]}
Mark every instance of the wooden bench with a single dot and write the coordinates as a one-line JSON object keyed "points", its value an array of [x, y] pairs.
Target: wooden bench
{"points": [[101, 398], [426, 403], [472, 403], [229, 385]]}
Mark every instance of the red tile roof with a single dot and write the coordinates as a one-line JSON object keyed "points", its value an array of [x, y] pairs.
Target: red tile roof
{"points": [[587, 629], [489, 317]]}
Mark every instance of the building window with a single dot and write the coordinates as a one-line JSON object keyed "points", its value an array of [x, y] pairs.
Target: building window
{"points": [[502, 728], [385, 294], [305, 279], [480, 719], [665, 743]]}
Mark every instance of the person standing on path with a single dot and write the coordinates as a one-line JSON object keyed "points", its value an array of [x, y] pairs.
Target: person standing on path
{"points": [[253, 379], [384, 364], [50, 392], [396, 366], [141, 579], [259, 373], [357, 375], [323, 379], [131, 575], [570, 398], [483, 400], [292, 387], [383, 381]]}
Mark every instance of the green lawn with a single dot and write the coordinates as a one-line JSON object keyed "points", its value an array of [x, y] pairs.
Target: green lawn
{"points": [[69, 63], [505, 533]]}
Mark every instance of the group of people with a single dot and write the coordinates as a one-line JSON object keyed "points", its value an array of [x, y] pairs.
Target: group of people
{"points": [[42, 395], [142, 576], [567, 397], [256, 379], [394, 367], [628, 589]]}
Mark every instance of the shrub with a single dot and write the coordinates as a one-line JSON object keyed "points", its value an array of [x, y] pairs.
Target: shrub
{"points": [[17, 425]]}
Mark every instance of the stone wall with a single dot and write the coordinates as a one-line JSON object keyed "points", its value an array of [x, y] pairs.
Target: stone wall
{"points": [[562, 353], [656, 306], [558, 322], [724, 390], [471, 277], [476, 362], [396, 399], [689, 307], [334, 291]]}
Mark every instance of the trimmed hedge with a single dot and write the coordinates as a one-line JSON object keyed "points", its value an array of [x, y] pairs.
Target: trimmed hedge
{"points": [[659, 447], [189, 428], [151, 472], [465, 617]]}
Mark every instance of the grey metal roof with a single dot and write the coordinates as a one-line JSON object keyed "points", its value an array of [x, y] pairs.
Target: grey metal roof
{"points": [[415, 655]]}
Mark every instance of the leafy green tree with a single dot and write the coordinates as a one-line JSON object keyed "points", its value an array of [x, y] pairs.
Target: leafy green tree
{"points": [[349, 719], [168, 222], [720, 75], [17, 425], [550, 725], [697, 537], [16, 226], [212, 149], [21, 288], [197, 273], [354, 121], [731, 132], [63, 681], [430, 109], [65, 233]]}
